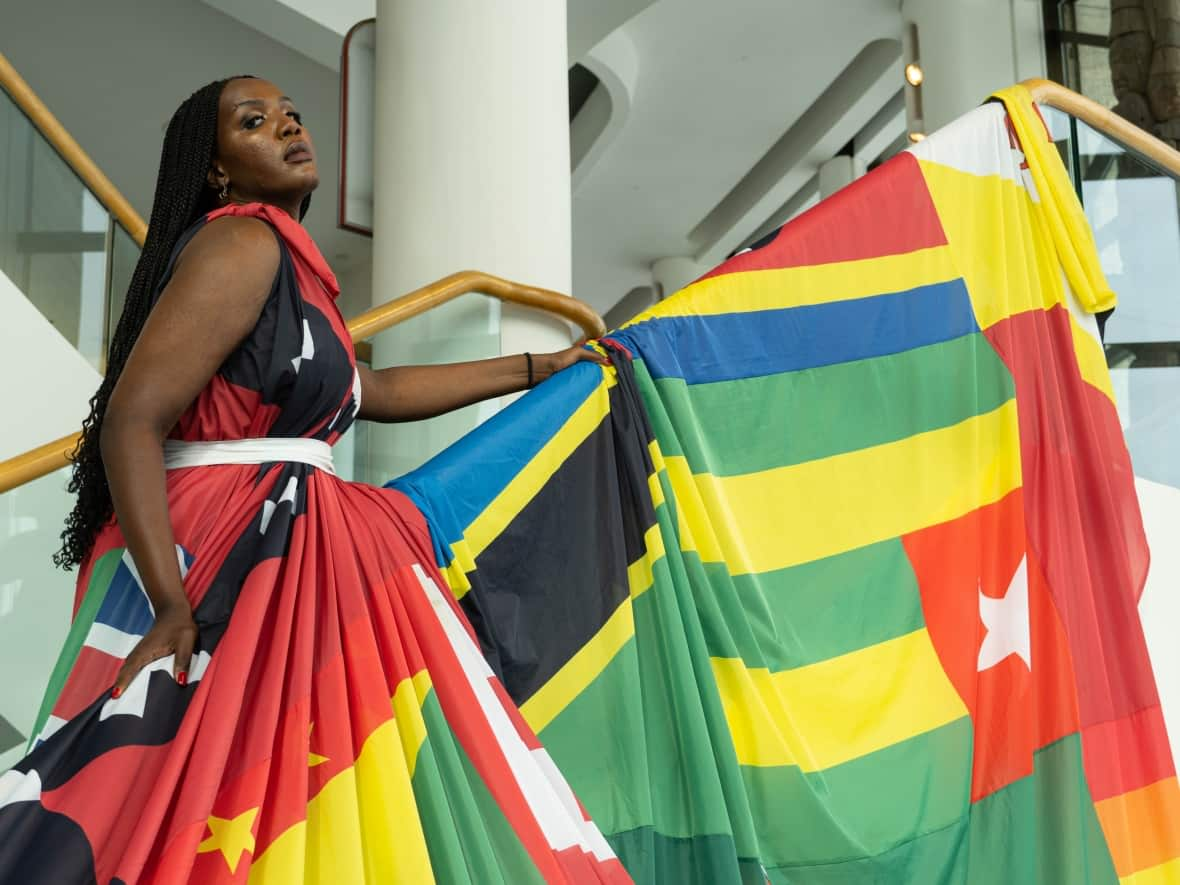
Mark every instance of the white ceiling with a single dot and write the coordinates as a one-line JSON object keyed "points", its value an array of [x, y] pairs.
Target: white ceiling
{"points": [[114, 72], [707, 98], [717, 86]]}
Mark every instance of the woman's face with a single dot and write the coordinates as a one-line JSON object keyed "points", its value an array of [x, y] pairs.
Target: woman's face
{"points": [[264, 153]]}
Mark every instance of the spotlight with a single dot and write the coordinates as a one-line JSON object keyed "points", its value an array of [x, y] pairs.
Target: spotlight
{"points": [[913, 74], [915, 137]]}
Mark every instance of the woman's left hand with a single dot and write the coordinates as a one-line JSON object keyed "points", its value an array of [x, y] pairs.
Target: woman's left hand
{"points": [[549, 363]]}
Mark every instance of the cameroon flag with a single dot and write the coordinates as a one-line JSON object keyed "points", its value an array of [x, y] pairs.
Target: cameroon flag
{"points": [[832, 578]]}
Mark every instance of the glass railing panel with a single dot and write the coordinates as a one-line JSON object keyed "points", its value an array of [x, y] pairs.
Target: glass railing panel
{"points": [[1135, 213], [1134, 210], [53, 234], [36, 603], [467, 328], [124, 255]]}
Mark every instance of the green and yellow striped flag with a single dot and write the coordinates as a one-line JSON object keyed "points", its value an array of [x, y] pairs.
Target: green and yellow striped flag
{"points": [[833, 577]]}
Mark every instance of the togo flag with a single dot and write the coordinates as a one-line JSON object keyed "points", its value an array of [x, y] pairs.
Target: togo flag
{"points": [[833, 577]]}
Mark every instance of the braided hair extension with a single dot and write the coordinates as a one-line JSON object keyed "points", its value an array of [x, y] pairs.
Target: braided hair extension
{"points": [[182, 195]]}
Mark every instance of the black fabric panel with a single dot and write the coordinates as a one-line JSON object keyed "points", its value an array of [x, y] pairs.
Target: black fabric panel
{"points": [[42, 847], [553, 577], [323, 385]]}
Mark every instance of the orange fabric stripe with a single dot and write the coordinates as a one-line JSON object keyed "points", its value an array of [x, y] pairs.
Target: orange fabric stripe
{"points": [[1142, 827]]}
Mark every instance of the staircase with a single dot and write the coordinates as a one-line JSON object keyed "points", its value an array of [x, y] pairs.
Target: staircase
{"points": [[69, 242]]}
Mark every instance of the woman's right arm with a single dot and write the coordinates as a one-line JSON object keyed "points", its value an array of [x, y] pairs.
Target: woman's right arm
{"points": [[213, 300]]}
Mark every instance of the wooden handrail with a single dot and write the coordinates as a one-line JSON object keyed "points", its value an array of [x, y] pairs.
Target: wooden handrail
{"points": [[1105, 121], [421, 300], [38, 462], [77, 159]]}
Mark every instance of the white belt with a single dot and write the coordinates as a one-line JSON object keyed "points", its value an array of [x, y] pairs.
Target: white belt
{"points": [[179, 453]]}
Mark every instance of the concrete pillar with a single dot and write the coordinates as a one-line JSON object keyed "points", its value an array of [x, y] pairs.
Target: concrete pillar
{"points": [[672, 274], [970, 48], [471, 172], [838, 172]]}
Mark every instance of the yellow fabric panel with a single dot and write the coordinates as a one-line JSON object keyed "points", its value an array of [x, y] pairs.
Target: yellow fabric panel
{"points": [[772, 519], [461, 565], [1091, 359], [995, 243], [1004, 221], [815, 284], [653, 481], [1164, 874], [580, 670], [827, 713], [1058, 206], [407, 711], [639, 573], [347, 834]]}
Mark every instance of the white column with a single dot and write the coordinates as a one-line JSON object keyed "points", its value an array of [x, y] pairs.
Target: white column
{"points": [[672, 274], [970, 48], [471, 172], [837, 173]]}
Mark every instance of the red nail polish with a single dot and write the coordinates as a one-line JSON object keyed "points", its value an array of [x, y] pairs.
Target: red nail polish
{"points": [[115, 692], [182, 678]]}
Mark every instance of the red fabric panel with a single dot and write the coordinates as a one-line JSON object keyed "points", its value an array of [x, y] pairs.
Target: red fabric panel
{"points": [[887, 213]]}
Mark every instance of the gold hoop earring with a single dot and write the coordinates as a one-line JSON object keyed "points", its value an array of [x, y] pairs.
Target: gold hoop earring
{"points": [[223, 194]]}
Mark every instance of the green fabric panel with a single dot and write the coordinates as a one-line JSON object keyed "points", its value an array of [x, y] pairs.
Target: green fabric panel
{"points": [[1042, 828], [936, 858], [656, 859], [680, 727], [866, 806], [611, 777], [96, 591], [797, 616], [682, 705], [760, 423], [646, 745], [469, 840]]}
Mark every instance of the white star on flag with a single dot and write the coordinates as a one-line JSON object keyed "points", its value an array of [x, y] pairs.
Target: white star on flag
{"points": [[17, 786], [1006, 620], [268, 507], [308, 350]]}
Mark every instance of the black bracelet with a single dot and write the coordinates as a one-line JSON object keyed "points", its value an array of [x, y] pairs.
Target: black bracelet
{"points": [[529, 359]]}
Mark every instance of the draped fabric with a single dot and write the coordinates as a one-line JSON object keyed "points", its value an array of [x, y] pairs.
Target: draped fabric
{"points": [[833, 577], [338, 724]]}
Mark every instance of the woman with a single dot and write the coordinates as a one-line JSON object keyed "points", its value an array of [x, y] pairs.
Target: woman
{"points": [[265, 680]]}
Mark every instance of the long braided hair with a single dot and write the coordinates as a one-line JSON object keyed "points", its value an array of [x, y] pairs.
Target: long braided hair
{"points": [[183, 194]]}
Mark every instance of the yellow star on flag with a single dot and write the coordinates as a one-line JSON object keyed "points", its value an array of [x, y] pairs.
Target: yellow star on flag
{"points": [[231, 837], [313, 759]]}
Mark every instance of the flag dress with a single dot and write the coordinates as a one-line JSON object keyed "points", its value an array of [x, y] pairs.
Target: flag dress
{"points": [[339, 723]]}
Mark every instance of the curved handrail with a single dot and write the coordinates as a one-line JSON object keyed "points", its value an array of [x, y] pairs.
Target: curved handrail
{"points": [[38, 462], [421, 300], [1105, 121], [77, 159]]}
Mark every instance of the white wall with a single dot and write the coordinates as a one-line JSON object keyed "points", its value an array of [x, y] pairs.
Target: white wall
{"points": [[970, 48], [116, 73], [47, 385], [47, 382], [1159, 609]]}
